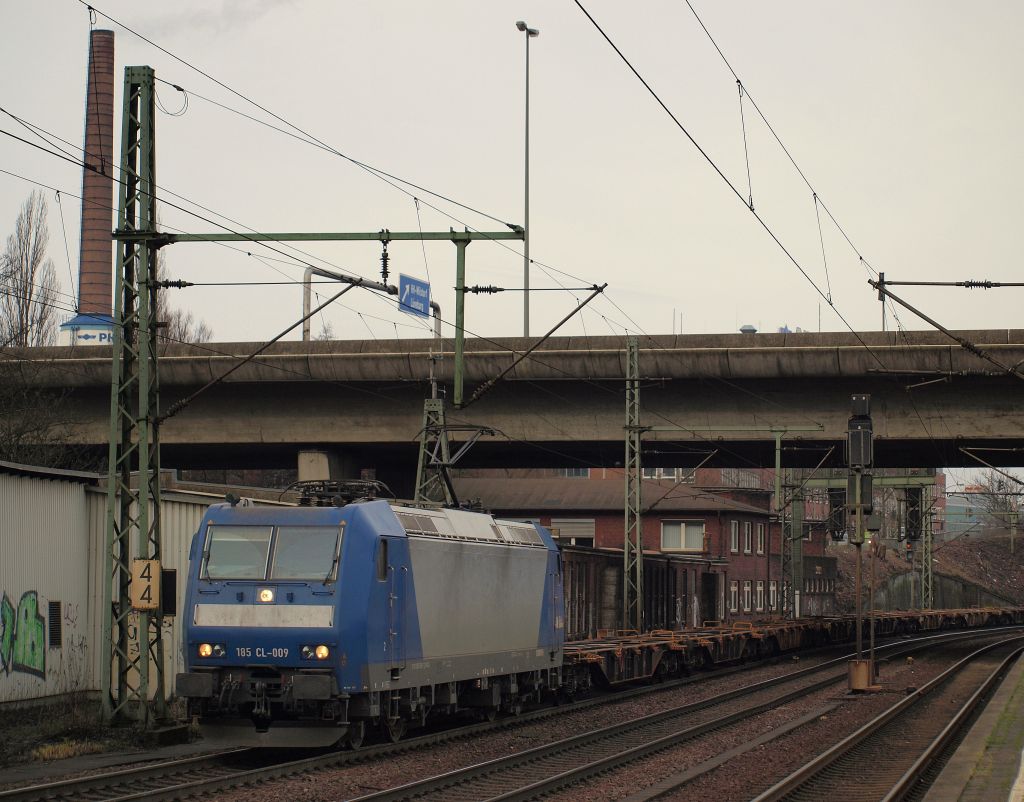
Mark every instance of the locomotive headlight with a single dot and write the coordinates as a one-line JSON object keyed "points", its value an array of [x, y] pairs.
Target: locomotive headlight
{"points": [[322, 652], [307, 652], [266, 595], [205, 650], [218, 650]]}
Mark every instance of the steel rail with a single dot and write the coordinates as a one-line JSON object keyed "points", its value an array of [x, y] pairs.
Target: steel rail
{"points": [[957, 725], [806, 773], [96, 783], [486, 772], [93, 787]]}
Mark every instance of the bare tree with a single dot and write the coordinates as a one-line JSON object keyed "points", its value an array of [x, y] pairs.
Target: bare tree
{"points": [[180, 326], [326, 331], [997, 498], [36, 421], [28, 314]]}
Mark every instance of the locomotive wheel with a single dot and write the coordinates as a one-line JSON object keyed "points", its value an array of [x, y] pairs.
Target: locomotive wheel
{"points": [[394, 729], [356, 734]]}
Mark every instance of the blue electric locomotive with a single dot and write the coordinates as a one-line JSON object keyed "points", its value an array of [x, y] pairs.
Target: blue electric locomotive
{"points": [[311, 625]]}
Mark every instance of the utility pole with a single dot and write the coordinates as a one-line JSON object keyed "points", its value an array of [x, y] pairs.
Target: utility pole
{"points": [[434, 451], [633, 540], [796, 543], [133, 512], [927, 561], [859, 458]]}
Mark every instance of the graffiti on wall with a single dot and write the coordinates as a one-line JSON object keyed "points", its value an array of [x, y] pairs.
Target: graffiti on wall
{"points": [[22, 636]]}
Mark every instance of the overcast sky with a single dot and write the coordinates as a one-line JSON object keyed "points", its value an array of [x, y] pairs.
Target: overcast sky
{"points": [[904, 117]]}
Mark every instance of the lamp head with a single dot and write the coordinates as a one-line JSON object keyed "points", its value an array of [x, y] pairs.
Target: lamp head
{"points": [[532, 32], [521, 25]]}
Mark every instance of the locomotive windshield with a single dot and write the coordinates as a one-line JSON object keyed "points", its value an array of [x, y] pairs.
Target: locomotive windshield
{"points": [[237, 552], [305, 552], [289, 552]]}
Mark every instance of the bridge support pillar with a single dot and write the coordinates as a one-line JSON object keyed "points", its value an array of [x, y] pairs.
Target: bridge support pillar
{"points": [[317, 464]]}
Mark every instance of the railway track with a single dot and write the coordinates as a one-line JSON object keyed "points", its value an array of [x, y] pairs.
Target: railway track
{"points": [[906, 741], [209, 773], [548, 768], [177, 779]]}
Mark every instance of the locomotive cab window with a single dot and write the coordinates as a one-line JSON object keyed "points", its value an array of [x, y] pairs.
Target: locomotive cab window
{"points": [[306, 552], [236, 552]]}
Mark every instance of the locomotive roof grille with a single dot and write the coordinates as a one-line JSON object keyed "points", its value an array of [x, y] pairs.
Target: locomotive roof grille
{"points": [[419, 523]]}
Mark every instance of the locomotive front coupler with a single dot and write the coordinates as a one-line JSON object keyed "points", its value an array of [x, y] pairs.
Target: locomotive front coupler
{"points": [[261, 708]]}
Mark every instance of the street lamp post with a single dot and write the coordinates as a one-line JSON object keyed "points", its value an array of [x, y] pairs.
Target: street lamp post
{"points": [[530, 33]]}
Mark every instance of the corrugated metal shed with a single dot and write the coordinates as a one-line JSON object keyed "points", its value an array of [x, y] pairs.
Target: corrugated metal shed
{"points": [[52, 544], [45, 633]]}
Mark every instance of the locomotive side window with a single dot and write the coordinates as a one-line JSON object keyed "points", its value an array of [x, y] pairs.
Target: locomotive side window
{"points": [[382, 559], [236, 552], [306, 552]]}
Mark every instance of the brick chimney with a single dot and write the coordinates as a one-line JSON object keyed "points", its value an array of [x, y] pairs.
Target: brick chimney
{"points": [[96, 263]]}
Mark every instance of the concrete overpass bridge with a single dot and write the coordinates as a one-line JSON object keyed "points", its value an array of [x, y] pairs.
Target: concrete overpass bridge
{"points": [[719, 398]]}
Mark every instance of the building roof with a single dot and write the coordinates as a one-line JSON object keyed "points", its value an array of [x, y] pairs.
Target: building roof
{"points": [[559, 494], [49, 473]]}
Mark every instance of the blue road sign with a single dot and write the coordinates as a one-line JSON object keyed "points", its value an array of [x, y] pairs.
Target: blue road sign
{"points": [[413, 295]]}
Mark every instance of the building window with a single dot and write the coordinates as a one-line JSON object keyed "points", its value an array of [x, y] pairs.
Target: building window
{"points": [[734, 595], [734, 536], [682, 536], [760, 594], [773, 594], [573, 473], [760, 538], [747, 535], [679, 474], [746, 594], [575, 531], [807, 532]]}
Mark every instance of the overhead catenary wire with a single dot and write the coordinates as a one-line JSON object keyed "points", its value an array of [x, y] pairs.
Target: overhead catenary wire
{"points": [[533, 358], [789, 255], [964, 343], [821, 238], [94, 101], [369, 168], [38, 131], [305, 138], [67, 249], [72, 157], [605, 320], [177, 406], [764, 119], [735, 191], [417, 201], [746, 149], [186, 64]]}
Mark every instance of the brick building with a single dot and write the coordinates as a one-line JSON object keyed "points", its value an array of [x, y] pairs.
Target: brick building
{"points": [[728, 537]]}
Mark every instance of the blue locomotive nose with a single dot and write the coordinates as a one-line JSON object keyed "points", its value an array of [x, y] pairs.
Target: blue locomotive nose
{"points": [[262, 642], [315, 624]]}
